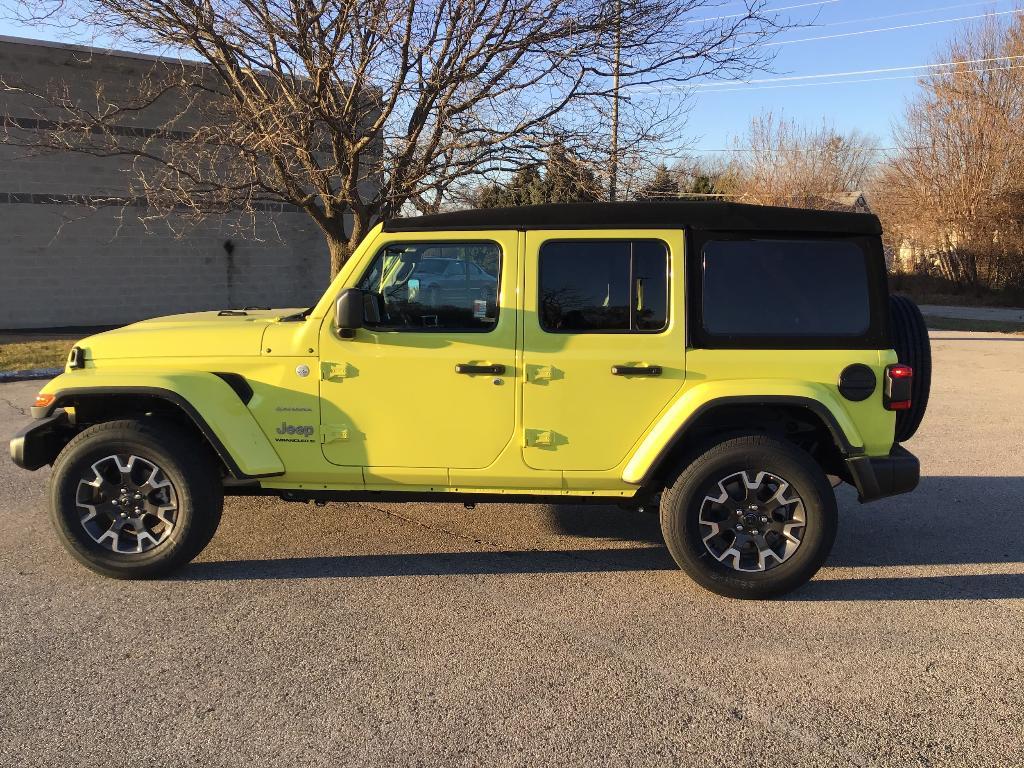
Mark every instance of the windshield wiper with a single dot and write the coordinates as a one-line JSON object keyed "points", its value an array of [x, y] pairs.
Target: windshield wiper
{"points": [[298, 316]]}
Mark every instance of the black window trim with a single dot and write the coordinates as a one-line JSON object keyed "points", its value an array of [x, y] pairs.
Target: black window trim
{"points": [[442, 244], [875, 337], [632, 310]]}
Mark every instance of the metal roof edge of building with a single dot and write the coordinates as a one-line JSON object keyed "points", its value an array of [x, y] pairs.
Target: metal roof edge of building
{"points": [[113, 52]]}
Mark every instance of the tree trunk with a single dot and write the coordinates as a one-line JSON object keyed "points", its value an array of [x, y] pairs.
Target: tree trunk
{"points": [[340, 250], [613, 165], [340, 246]]}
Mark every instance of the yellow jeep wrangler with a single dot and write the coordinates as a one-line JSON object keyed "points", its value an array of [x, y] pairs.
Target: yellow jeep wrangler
{"points": [[723, 362]]}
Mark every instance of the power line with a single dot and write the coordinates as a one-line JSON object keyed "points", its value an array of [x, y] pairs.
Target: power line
{"points": [[870, 31], [880, 29], [851, 73], [909, 13], [752, 85], [766, 10], [845, 82]]}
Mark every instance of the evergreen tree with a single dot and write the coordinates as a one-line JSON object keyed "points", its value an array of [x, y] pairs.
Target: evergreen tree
{"points": [[661, 186], [702, 185], [525, 188], [566, 180]]}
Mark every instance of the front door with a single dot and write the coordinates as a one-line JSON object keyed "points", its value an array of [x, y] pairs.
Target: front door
{"points": [[431, 386], [604, 343]]}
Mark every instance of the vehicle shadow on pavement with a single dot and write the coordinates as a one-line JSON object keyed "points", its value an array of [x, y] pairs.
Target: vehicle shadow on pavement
{"points": [[964, 523], [609, 524], [605, 522], [945, 521], [435, 564], [989, 586]]}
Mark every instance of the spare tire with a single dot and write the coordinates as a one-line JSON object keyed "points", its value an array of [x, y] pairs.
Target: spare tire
{"points": [[913, 348]]}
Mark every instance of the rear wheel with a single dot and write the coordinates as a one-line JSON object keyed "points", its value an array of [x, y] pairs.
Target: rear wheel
{"points": [[751, 517], [135, 499], [913, 348]]}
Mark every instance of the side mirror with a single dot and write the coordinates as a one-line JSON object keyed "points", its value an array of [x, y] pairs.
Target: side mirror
{"points": [[349, 312]]}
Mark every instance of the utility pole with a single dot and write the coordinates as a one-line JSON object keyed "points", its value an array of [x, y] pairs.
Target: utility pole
{"points": [[613, 165]]}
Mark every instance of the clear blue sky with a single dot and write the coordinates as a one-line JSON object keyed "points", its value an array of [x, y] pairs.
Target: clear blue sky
{"points": [[868, 106], [850, 44]]}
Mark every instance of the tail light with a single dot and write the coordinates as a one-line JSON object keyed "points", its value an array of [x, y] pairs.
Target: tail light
{"points": [[899, 379]]}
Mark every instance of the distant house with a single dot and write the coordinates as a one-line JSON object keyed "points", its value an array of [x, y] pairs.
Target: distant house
{"points": [[854, 202], [912, 257]]}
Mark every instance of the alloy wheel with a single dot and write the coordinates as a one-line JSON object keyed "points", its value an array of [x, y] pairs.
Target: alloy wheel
{"points": [[752, 521], [126, 504]]}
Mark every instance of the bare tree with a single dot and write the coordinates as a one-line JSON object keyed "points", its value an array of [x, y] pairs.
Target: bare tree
{"points": [[644, 112], [352, 110], [955, 189], [778, 162]]}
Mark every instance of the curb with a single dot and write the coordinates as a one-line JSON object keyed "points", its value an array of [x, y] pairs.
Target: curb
{"points": [[35, 374]]}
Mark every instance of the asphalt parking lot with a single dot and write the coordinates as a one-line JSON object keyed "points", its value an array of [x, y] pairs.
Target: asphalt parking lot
{"points": [[436, 635]]}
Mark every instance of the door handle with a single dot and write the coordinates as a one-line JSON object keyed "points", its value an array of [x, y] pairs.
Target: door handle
{"points": [[494, 370], [636, 370]]}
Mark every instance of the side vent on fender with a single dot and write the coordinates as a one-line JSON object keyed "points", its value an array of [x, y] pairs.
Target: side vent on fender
{"points": [[238, 383]]}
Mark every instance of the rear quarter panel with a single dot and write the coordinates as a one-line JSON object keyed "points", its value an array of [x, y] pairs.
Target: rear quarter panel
{"points": [[814, 374]]}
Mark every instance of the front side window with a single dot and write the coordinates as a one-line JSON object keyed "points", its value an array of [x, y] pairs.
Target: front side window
{"points": [[603, 286], [435, 286], [785, 288]]}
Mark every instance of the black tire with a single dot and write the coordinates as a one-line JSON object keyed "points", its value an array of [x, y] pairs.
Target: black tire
{"points": [[682, 503], [190, 470], [913, 347]]}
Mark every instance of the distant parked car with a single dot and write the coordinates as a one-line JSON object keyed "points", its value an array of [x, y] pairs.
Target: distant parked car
{"points": [[437, 282]]}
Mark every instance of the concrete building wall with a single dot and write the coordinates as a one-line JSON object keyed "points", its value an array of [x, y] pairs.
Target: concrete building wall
{"points": [[64, 263]]}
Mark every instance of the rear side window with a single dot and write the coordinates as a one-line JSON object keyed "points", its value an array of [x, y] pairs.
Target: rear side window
{"points": [[786, 289], [603, 286]]}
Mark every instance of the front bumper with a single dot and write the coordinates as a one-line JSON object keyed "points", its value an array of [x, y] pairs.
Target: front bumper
{"points": [[876, 477], [39, 442]]}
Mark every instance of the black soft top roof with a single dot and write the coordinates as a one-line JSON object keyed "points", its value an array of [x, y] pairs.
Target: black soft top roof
{"points": [[690, 214]]}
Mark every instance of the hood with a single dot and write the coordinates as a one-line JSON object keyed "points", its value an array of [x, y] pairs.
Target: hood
{"points": [[195, 334]]}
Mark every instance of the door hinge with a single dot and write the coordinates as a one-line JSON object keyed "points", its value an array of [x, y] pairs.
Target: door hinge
{"points": [[332, 371], [332, 433], [540, 438], [540, 373]]}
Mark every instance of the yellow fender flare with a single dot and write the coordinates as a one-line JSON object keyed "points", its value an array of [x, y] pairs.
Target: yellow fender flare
{"points": [[208, 400], [697, 400]]}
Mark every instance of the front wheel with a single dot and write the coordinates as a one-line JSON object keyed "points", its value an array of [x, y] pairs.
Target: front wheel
{"points": [[751, 517], [135, 499]]}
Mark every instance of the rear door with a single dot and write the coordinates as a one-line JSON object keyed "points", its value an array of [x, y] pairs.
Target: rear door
{"points": [[603, 342]]}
